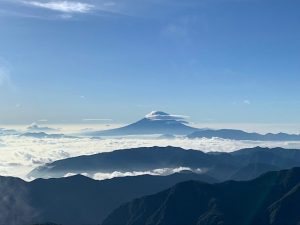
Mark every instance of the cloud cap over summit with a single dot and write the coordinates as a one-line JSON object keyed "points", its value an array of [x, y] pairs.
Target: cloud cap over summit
{"points": [[159, 115]]}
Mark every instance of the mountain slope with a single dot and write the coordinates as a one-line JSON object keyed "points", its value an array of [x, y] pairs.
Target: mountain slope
{"points": [[285, 209], [266, 200], [253, 170]]}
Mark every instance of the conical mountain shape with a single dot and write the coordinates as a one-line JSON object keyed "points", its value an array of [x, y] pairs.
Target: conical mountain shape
{"points": [[156, 122]]}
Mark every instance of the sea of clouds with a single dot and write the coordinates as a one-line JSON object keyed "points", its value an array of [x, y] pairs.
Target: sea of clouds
{"points": [[19, 155]]}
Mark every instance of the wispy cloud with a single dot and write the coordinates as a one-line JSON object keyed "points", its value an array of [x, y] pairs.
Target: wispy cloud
{"points": [[5, 77], [182, 28], [57, 9], [43, 120], [62, 6], [93, 120], [67, 9], [175, 30]]}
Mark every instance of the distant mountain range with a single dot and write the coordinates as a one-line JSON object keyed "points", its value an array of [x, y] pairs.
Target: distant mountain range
{"points": [[41, 135], [4, 132], [242, 135], [45, 135], [244, 164], [166, 125], [273, 198], [34, 127], [77, 200]]}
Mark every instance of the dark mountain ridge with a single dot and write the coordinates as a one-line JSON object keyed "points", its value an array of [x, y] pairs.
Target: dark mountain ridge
{"points": [[273, 198], [221, 166]]}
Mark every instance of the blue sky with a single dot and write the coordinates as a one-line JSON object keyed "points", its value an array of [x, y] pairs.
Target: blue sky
{"points": [[224, 61]]}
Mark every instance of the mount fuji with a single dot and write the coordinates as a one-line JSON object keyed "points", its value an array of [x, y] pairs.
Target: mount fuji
{"points": [[167, 125], [156, 122]]}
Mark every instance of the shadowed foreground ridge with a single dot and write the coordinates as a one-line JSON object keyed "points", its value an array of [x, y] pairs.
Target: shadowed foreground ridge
{"points": [[77, 200], [273, 198]]}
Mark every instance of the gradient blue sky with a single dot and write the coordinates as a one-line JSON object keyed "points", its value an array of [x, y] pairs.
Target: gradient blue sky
{"points": [[224, 61]]}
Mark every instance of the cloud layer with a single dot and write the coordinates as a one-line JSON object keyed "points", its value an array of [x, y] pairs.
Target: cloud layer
{"points": [[19, 155]]}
